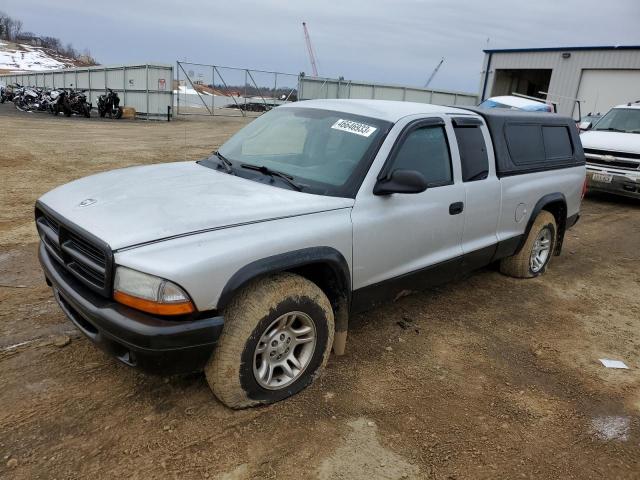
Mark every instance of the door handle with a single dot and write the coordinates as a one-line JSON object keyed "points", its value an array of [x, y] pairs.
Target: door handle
{"points": [[456, 208]]}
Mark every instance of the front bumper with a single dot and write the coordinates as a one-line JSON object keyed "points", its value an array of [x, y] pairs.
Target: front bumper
{"points": [[135, 338], [626, 183]]}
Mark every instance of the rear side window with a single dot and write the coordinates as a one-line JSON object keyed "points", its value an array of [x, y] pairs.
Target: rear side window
{"points": [[425, 149], [525, 144], [473, 153], [557, 142]]}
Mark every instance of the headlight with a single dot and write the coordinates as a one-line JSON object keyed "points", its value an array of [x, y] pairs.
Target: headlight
{"points": [[150, 293]]}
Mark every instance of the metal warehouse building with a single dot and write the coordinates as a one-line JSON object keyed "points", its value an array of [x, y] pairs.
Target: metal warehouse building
{"points": [[600, 77]]}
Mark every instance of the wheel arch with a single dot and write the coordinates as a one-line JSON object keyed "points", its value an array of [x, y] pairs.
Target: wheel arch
{"points": [[556, 204], [324, 266]]}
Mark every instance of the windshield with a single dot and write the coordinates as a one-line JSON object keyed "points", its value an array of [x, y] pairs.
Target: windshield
{"points": [[620, 120], [323, 151]]}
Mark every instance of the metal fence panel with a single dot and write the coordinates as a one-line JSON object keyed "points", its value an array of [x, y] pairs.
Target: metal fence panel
{"points": [[83, 80], [310, 88], [58, 80]]}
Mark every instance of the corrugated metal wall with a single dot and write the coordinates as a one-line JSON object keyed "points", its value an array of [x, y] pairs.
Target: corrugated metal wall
{"points": [[310, 88], [146, 87], [567, 72]]}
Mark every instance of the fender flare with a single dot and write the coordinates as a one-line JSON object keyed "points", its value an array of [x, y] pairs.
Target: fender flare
{"points": [[556, 198], [289, 261]]}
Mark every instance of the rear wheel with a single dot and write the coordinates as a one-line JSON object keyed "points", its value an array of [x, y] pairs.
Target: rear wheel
{"points": [[533, 258], [277, 337]]}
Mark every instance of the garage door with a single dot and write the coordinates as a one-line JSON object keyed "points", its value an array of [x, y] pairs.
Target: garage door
{"points": [[602, 89]]}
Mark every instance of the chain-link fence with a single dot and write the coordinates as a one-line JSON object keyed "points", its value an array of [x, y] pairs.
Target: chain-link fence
{"points": [[201, 89]]}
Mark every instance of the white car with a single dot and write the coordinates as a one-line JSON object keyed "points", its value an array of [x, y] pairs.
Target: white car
{"points": [[248, 264], [612, 150], [511, 102]]}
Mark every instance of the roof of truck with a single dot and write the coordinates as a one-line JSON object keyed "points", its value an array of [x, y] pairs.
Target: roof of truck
{"points": [[388, 110]]}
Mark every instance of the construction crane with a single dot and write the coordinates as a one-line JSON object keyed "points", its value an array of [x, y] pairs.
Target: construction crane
{"points": [[312, 56], [433, 74]]}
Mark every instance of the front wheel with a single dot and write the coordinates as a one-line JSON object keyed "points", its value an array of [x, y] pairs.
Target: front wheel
{"points": [[276, 339], [533, 258]]}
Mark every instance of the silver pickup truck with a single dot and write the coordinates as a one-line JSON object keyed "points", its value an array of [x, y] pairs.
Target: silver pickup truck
{"points": [[249, 263]]}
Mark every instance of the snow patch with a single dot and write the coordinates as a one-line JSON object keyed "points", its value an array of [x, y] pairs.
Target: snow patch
{"points": [[27, 58], [611, 428]]}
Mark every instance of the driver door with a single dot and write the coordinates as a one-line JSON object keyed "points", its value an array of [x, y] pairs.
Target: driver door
{"points": [[410, 241]]}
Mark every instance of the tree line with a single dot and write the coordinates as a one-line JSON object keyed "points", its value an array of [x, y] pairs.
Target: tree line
{"points": [[11, 30]]}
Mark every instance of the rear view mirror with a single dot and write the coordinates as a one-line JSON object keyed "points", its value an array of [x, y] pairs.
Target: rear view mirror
{"points": [[584, 125], [401, 181]]}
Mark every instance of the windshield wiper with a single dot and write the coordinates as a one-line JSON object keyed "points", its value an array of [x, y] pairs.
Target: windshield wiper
{"points": [[611, 129], [273, 173], [225, 162]]}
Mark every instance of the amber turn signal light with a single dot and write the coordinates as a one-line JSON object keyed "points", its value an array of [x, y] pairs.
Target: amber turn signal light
{"points": [[154, 307]]}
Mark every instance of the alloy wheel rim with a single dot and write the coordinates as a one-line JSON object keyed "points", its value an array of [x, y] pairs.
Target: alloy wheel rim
{"points": [[541, 250], [284, 350]]}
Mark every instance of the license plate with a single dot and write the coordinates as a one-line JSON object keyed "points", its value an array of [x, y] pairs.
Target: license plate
{"points": [[602, 177]]}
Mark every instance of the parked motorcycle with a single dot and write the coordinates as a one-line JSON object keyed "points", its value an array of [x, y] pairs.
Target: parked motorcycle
{"points": [[8, 92], [78, 104], [109, 104], [59, 103], [27, 99]]}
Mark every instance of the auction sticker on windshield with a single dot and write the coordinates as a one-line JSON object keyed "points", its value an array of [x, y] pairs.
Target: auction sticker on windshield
{"points": [[361, 129]]}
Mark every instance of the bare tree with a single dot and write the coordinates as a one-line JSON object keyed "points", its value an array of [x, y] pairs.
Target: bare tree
{"points": [[17, 28]]}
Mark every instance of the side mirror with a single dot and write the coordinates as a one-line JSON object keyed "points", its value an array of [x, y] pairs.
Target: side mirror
{"points": [[401, 181], [584, 125]]}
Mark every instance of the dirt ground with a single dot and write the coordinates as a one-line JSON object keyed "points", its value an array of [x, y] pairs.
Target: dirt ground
{"points": [[489, 377]]}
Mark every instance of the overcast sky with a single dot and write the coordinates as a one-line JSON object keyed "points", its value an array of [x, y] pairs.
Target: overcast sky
{"points": [[397, 41]]}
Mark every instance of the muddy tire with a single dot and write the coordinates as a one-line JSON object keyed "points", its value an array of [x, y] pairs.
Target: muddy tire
{"points": [[277, 337], [533, 258]]}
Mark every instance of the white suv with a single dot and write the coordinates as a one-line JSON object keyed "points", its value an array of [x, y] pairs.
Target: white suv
{"points": [[248, 264], [612, 149]]}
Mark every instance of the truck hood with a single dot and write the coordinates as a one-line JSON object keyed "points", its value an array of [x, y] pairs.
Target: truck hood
{"points": [[613, 141], [137, 205]]}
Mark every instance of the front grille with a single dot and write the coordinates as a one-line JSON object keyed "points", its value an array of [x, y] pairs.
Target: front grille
{"points": [[631, 156], [607, 158], [84, 256]]}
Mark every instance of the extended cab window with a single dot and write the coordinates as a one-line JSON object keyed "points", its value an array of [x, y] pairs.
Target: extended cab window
{"points": [[425, 149], [473, 153]]}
